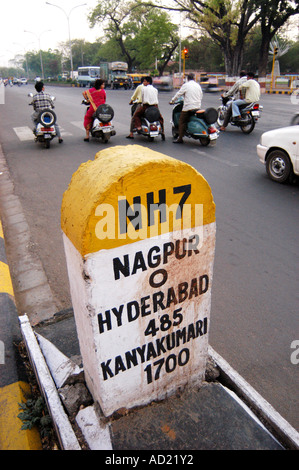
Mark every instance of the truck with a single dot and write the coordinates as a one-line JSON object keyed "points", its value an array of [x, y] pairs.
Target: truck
{"points": [[115, 74]]}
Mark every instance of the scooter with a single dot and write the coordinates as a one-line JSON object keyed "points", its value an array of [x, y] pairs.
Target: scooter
{"points": [[102, 127], [200, 126], [150, 124], [249, 115], [45, 131]]}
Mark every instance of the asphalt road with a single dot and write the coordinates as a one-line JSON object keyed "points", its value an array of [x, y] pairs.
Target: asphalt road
{"points": [[254, 316]]}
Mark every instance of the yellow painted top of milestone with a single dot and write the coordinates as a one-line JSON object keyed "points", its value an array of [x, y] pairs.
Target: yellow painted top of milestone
{"points": [[120, 178]]}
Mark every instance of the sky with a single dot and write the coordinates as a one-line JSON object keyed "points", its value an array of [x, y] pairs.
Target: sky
{"points": [[46, 23], [38, 18]]}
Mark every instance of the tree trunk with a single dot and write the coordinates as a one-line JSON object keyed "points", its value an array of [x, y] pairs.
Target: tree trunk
{"points": [[264, 52], [233, 60]]}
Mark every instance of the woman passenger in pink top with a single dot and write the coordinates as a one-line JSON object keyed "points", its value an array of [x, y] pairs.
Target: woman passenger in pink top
{"points": [[96, 96]]}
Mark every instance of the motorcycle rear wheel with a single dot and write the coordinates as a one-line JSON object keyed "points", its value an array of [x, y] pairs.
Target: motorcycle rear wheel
{"points": [[247, 128], [47, 144], [220, 119], [204, 141], [105, 138]]}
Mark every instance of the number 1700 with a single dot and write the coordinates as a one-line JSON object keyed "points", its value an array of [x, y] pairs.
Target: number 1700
{"points": [[169, 363]]}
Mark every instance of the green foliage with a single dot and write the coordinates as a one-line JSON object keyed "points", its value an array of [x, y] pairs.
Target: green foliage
{"points": [[229, 35], [204, 55], [142, 33], [34, 413]]}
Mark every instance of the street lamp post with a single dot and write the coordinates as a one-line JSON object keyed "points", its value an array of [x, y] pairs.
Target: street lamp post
{"points": [[68, 22], [40, 51], [25, 55]]}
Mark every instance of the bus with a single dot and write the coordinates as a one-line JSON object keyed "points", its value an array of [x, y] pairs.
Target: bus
{"points": [[88, 75], [136, 78]]}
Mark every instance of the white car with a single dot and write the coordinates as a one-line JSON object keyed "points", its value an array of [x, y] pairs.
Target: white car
{"points": [[279, 151]]}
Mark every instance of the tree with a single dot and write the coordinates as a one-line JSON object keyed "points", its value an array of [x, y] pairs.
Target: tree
{"points": [[229, 22], [142, 35], [51, 63], [113, 15], [156, 40], [204, 55], [273, 15], [226, 22], [289, 63]]}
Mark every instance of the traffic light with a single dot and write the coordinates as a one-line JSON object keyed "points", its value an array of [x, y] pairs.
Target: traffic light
{"points": [[275, 50], [185, 54]]}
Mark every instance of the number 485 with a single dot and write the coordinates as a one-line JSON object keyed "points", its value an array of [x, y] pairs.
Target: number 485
{"points": [[165, 323]]}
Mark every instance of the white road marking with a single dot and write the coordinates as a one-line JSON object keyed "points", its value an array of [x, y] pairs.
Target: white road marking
{"points": [[212, 157], [64, 133], [78, 124], [118, 126], [24, 133]]}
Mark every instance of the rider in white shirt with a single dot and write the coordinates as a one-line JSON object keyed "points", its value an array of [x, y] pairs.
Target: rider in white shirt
{"points": [[252, 94], [192, 94], [149, 98]]}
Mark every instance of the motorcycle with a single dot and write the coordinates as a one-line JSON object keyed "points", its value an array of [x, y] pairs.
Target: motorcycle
{"points": [[102, 127], [150, 124], [200, 126], [249, 115], [295, 120], [44, 131]]}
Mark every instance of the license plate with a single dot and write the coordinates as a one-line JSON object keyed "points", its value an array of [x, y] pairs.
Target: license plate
{"points": [[106, 129], [154, 134], [213, 136], [47, 136], [255, 113]]}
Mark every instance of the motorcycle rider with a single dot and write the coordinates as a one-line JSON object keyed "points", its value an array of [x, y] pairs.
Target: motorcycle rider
{"points": [[96, 96], [252, 94], [40, 101], [232, 93], [149, 98], [192, 93], [137, 98]]}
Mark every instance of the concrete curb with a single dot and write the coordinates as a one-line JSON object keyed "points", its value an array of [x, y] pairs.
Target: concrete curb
{"points": [[263, 410], [278, 92], [62, 425]]}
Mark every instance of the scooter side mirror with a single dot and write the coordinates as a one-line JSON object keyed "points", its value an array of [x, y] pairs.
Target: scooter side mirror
{"points": [[30, 95]]}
